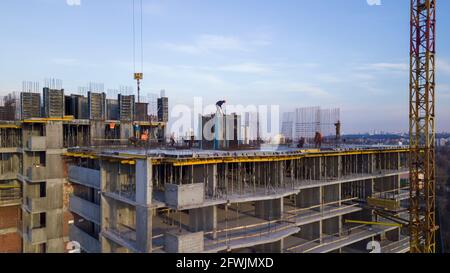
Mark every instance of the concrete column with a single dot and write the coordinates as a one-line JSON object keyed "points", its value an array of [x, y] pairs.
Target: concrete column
{"points": [[373, 163], [105, 246], [275, 247], [212, 179], [144, 191], [308, 198], [103, 166], [144, 229], [281, 169], [331, 226], [310, 231], [144, 182], [269, 209], [393, 235], [339, 166], [203, 219], [331, 193]]}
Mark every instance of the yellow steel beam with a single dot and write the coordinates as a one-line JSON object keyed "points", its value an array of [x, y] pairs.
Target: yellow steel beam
{"points": [[45, 120], [388, 204], [9, 126], [242, 159], [373, 223], [147, 123], [9, 187], [196, 161]]}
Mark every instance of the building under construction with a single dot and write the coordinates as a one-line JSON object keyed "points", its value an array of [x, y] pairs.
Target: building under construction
{"points": [[35, 132], [77, 168]]}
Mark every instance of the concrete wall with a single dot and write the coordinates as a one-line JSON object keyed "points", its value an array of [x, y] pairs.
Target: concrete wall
{"points": [[180, 196], [86, 209], [184, 242], [54, 135], [85, 176]]}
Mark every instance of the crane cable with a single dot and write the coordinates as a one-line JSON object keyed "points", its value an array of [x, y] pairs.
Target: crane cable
{"points": [[141, 43]]}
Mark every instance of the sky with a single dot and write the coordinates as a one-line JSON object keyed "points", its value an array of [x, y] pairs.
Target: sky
{"points": [[293, 53]]}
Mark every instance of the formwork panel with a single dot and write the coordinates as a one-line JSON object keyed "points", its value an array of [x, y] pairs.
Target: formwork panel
{"points": [[97, 105], [126, 107], [30, 105], [163, 109], [112, 109], [141, 112], [54, 103]]}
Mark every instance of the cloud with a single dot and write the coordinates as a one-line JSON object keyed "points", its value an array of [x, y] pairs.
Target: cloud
{"points": [[65, 61], [73, 2], [207, 43], [382, 67], [154, 8], [442, 66], [307, 89], [251, 68]]}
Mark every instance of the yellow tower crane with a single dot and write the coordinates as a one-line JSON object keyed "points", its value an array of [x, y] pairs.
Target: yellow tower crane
{"points": [[422, 127]]}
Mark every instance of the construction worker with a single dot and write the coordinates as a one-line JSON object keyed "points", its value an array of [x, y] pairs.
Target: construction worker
{"points": [[145, 136], [172, 140], [338, 130], [318, 140], [219, 106], [301, 142]]}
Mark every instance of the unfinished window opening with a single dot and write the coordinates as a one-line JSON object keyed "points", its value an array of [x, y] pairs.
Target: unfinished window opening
{"points": [[42, 189], [10, 137], [76, 135], [112, 133]]}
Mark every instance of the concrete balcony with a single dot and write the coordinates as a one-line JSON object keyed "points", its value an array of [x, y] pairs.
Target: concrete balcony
{"points": [[85, 209], [36, 143], [87, 242], [185, 196], [84, 176], [8, 176], [36, 205], [36, 235], [42, 204], [36, 173]]}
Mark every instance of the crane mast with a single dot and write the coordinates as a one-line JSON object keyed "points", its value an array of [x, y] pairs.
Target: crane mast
{"points": [[422, 127]]}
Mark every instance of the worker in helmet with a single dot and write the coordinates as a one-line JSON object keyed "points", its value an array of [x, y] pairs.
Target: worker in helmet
{"points": [[318, 140], [219, 106], [301, 142]]}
